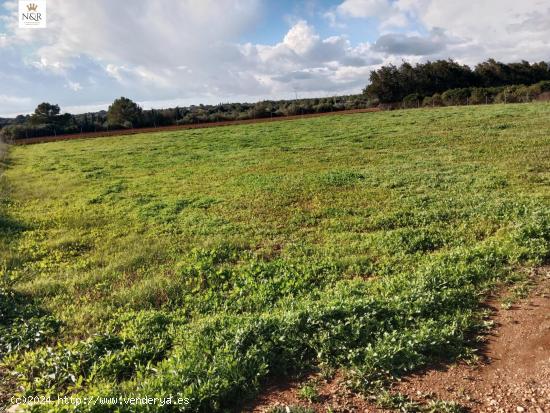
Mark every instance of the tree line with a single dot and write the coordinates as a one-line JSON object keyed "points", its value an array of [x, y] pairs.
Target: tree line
{"points": [[481, 95], [437, 83], [124, 113], [391, 83]]}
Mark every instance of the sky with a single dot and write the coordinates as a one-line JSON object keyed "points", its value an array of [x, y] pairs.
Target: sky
{"points": [[164, 53]]}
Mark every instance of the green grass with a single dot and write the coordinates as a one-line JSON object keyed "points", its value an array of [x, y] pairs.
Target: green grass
{"points": [[198, 263]]}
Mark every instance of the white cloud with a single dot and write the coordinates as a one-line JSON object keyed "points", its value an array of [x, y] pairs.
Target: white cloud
{"points": [[46, 64], [407, 45], [366, 8], [390, 14], [17, 104], [301, 38], [145, 41], [3, 40], [507, 30], [470, 31], [74, 86], [16, 100], [305, 62], [192, 51], [332, 19], [115, 71], [167, 49]]}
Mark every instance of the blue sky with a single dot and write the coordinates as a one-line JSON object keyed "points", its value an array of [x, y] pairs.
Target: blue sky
{"points": [[277, 16], [176, 52]]}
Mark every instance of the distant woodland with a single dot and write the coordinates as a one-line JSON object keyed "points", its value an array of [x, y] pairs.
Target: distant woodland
{"points": [[437, 83]]}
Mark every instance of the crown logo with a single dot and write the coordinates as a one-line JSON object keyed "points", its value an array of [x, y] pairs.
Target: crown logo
{"points": [[32, 7]]}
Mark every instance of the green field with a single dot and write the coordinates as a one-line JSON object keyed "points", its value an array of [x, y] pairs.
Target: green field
{"points": [[199, 263]]}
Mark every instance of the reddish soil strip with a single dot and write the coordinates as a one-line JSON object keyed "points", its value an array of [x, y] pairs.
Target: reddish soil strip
{"points": [[333, 395], [513, 375], [134, 131], [7, 387]]}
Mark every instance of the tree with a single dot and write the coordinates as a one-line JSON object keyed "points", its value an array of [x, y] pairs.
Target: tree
{"points": [[384, 84], [45, 113], [46, 116], [392, 84], [19, 119], [124, 112]]}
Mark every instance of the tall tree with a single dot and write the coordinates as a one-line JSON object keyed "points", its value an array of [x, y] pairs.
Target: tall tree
{"points": [[392, 84], [45, 113], [124, 112]]}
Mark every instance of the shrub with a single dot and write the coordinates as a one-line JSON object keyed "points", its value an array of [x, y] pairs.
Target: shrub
{"points": [[514, 94], [412, 100], [309, 393], [434, 100], [539, 88], [454, 97], [483, 95]]}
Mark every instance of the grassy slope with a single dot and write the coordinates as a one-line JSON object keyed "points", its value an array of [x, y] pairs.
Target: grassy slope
{"points": [[220, 256]]}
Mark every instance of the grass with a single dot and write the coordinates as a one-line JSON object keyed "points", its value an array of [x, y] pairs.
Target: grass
{"points": [[197, 263]]}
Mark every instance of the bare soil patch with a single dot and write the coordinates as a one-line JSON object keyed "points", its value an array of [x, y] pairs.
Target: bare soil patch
{"points": [[7, 387], [512, 375]]}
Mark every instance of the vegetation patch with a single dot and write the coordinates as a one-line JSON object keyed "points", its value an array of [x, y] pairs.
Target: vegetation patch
{"points": [[202, 279]]}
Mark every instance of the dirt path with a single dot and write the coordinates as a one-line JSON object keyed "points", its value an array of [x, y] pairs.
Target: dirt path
{"points": [[513, 374]]}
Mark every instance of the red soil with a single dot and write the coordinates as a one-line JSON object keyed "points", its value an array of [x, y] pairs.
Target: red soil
{"points": [[512, 376]]}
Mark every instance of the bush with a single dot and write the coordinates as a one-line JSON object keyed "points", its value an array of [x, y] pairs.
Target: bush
{"points": [[434, 100], [514, 94], [539, 88], [309, 393], [412, 100], [483, 95], [11, 132], [453, 97]]}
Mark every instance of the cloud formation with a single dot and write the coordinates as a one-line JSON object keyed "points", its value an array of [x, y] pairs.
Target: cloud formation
{"points": [[469, 31], [303, 61], [189, 51], [366, 8], [406, 45]]}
